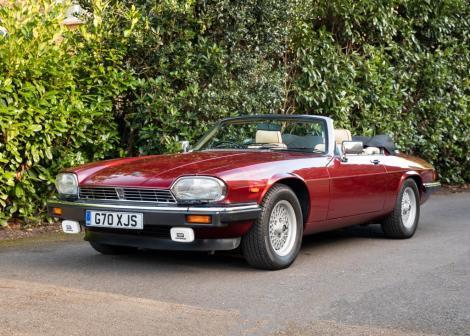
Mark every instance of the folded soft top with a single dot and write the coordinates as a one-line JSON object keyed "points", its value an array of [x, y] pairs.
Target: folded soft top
{"points": [[380, 140]]}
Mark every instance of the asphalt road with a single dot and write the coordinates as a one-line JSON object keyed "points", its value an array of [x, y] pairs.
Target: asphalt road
{"points": [[349, 282]]}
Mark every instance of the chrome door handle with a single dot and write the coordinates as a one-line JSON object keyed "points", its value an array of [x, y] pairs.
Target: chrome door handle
{"points": [[376, 161]]}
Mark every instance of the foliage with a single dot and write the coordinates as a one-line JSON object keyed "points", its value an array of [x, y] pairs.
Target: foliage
{"points": [[56, 102], [397, 67], [199, 62], [142, 75]]}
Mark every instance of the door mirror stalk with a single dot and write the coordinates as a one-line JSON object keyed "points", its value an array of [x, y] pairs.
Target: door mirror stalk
{"points": [[185, 146]]}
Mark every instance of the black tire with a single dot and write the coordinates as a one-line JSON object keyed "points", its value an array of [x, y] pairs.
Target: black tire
{"points": [[393, 225], [112, 249], [256, 244]]}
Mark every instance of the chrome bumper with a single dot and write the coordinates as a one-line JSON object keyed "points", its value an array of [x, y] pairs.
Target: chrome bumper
{"points": [[430, 187], [158, 215]]}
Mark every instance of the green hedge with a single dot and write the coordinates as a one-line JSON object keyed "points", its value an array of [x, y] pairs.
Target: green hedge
{"points": [[141, 75], [395, 67], [57, 90]]}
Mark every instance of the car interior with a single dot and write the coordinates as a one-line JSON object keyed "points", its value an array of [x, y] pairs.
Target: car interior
{"points": [[309, 141], [342, 135], [300, 136], [270, 137]]}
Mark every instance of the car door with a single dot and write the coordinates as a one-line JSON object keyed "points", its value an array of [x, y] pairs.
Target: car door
{"points": [[357, 185]]}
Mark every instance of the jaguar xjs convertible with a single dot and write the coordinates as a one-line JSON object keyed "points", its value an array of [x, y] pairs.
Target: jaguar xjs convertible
{"points": [[255, 183]]}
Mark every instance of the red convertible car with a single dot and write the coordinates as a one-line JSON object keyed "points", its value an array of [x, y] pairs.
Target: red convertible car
{"points": [[257, 182]]}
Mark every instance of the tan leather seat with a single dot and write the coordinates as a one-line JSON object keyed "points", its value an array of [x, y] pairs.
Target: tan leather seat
{"points": [[320, 147], [341, 135], [269, 137]]}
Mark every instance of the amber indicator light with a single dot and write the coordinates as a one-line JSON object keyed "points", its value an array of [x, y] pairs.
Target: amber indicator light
{"points": [[199, 219], [57, 211]]}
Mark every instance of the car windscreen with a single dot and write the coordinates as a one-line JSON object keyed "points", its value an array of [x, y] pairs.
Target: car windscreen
{"points": [[275, 134]]}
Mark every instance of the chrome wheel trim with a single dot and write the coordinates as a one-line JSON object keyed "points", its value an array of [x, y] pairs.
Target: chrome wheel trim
{"points": [[282, 228], [408, 208]]}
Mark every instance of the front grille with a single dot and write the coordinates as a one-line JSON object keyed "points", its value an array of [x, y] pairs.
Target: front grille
{"points": [[98, 193], [149, 195], [127, 194]]}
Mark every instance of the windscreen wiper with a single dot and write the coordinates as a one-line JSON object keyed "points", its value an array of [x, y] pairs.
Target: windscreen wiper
{"points": [[263, 145], [304, 149]]}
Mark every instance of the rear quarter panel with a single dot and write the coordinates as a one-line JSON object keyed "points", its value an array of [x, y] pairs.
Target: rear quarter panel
{"points": [[400, 167]]}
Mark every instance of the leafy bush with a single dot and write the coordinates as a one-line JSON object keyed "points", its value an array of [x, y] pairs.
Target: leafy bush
{"points": [[56, 102], [141, 75], [199, 62], [398, 67]]}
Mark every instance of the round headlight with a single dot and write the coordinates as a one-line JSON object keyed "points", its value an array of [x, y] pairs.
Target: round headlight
{"points": [[199, 188], [67, 184]]}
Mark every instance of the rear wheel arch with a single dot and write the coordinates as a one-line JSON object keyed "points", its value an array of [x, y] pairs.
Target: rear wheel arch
{"points": [[416, 178], [419, 183]]}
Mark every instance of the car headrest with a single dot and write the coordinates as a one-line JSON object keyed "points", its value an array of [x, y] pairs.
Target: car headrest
{"points": [[371, 151], [342, 135], [270, 137]]}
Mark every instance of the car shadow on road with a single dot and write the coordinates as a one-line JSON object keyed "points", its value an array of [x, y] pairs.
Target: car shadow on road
{"points": [[372, 231], [233, 260], [314, 242], [230, 260], [150, 261]]}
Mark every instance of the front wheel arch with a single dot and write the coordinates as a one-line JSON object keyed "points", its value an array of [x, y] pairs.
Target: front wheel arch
{"points": [[299, 187]]}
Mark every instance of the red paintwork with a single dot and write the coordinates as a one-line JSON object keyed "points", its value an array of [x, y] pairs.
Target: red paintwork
{"points": [[341, 193]]}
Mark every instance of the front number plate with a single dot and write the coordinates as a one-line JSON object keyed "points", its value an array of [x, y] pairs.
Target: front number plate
{"points": [[116, 220]]}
